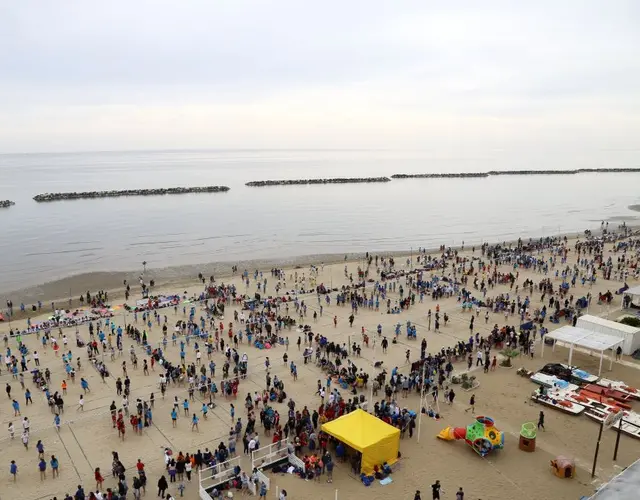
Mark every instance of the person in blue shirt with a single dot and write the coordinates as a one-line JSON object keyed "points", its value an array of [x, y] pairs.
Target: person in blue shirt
{"points": [[185, 405], [56, 422], [79, 495], [205, 410], [329, 466], [85, 385], [194, 423], [42, 466], [16, 408], [54, 466], [174, 417], [13, 469], [40, 448]]}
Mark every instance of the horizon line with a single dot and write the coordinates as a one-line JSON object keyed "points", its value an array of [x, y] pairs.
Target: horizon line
{"points": [[181, 150]]}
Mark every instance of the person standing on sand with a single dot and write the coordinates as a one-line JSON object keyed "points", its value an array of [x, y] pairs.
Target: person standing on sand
{"points": [[460, 494], [541, 421], [472, 404], [194, 423], [436, 489], [42, 466]]}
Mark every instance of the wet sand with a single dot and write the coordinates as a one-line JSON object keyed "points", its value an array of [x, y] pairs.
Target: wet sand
{"points": [[86, 439], [60, 290]]}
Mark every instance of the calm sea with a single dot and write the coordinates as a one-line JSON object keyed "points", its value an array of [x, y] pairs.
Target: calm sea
{"points": [[48, 241]]}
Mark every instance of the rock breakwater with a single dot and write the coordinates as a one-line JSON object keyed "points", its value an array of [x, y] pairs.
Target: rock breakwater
{"points": [[337, 180], [517, 172], [6, 203], [128, 192], [439, 176]]}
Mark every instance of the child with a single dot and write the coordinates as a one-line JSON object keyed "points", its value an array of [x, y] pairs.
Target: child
{"points": [[54, 466], [42, 466], [13, 469], [181, 488], [194, 423], [99, 479]]}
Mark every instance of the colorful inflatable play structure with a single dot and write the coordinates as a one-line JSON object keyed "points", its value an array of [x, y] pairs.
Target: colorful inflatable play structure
{"points": [[481, 435]]}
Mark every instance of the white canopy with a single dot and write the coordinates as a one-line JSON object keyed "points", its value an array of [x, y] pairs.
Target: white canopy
{"points": [[586, 339], [630, 334], [633, 290]]}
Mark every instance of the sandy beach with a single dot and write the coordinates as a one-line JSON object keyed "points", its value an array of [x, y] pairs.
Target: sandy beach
{"points": [[86, 438]]}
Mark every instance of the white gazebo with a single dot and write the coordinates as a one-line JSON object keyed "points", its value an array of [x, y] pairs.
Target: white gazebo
{"points": [[593, 341]]}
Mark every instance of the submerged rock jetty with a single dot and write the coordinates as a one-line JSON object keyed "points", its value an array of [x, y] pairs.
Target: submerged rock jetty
{"points": [[517, 172], [336, 180], [128, 192], [6, 203]]}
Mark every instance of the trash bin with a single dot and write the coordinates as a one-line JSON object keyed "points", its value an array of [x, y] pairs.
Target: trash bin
{"points": [[528, 434]]}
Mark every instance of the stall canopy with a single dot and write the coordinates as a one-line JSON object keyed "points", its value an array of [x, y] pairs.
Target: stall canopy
{"points": [[630, 334], [634, 293], [378, 441], [593, 341]]}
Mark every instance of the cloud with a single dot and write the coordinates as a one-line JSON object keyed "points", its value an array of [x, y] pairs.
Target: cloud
{"points": [[157, 74]]}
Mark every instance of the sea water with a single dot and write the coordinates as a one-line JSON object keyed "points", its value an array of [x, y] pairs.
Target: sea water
{"points": [[45, 241]]}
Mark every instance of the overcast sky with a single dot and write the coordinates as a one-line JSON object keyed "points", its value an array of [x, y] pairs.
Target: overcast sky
{"points": [[477, 75]]}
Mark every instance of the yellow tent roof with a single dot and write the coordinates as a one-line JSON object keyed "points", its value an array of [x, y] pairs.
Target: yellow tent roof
{"points": [[360, 430]]}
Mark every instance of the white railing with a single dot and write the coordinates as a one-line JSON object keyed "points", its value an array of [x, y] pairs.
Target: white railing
{"points": [[296, 462], [267, 455], [253, 488], [203, 494], [263, 479], [219, 473]]}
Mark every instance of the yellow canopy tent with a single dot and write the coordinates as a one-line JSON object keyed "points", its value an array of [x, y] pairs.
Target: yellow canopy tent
{"points": [[377, 441]]}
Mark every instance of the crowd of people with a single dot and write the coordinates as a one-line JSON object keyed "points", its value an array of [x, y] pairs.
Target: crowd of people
{"points": [[199, 344]]}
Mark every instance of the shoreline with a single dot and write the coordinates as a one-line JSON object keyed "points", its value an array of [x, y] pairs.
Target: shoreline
{"points": [[74, 285], [500, 393]]}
